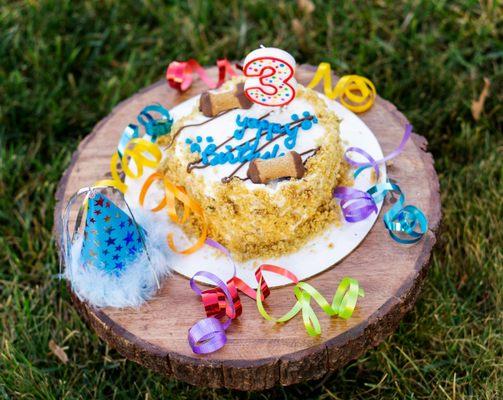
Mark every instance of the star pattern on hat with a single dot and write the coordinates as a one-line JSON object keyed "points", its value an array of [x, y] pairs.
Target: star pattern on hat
{"points": [[111, 238]]}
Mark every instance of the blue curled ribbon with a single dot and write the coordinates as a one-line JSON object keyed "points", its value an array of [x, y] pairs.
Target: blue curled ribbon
{"points": [[358, 205], [154, 127], [408, 220]]}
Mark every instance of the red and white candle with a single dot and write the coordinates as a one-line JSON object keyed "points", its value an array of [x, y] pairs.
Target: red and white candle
{"points": [[270, 77]]}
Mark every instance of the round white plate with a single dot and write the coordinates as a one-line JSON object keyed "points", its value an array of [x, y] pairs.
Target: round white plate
{"points": [[318, 254]]}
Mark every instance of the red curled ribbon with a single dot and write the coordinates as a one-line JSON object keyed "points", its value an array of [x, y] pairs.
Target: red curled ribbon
{"points": [[214, 300], [180, 74], [208, 335]]}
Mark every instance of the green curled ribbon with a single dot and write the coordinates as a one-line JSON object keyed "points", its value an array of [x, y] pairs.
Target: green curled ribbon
{"points": [[343, 304]]}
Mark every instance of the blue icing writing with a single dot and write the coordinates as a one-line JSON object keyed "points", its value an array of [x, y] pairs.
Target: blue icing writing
{"points": [[196, 147], [250, 150], [254, 123]]}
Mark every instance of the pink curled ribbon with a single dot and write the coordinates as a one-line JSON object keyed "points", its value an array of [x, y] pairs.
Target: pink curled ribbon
{"points": [[405, 224], [180, 74]]}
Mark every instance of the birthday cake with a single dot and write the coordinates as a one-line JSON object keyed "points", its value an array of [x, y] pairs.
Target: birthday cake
{"points": [[263, 175]]}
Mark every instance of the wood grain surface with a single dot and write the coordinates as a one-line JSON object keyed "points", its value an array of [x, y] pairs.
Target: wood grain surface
{"points": [[259, 354]]}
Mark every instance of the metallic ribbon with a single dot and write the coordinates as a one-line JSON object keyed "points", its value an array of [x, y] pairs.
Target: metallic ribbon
{"points": [[208, 335], [355, 92], [172, 194], [356, 204], [154, 127], [405, 224], [343, 304], [180, 74], [214, 301]]}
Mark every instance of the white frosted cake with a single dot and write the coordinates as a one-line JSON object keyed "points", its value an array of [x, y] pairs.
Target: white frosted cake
{"points": [[264, 176]]}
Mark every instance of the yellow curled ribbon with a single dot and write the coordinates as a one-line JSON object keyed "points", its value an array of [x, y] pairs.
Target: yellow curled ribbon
{"points": [[139, 150], [172, 193], [355, 92], [146, 154], [343, 304]]}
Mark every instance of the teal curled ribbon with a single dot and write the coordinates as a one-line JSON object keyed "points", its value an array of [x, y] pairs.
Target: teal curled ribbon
{"points": [[400, 221], [405, 224], [153, 126]]}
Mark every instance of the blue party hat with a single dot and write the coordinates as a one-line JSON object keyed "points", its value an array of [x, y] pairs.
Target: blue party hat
{"points": [[111, 238]]}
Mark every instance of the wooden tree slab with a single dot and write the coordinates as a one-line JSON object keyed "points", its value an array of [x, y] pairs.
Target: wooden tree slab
{"points": [[259, 354]]}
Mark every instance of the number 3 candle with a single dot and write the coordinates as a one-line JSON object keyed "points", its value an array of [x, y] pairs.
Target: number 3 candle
{"points": [[270, 77]]}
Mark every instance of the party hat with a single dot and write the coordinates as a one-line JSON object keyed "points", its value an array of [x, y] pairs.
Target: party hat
{"points": [[111, 238]]}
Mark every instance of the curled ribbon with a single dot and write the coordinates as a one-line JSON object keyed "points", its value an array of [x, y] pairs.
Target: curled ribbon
{"points": [[355, 92], [142, 152], [208, 335], [357, 205], [154, 127], [343, 304], [180, 74], [214, 299], [371, 162], [172, 194]]}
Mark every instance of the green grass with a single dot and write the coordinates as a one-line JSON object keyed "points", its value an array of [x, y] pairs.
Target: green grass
{"points": [[65, 64]]}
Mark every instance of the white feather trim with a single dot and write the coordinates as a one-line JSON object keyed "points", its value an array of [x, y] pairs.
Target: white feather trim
{"points": [[138, 281]]}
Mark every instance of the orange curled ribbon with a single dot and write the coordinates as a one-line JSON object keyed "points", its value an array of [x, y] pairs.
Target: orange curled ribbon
{"points": [[172, 193], [139, 150], [180, 74], [355, 92]]}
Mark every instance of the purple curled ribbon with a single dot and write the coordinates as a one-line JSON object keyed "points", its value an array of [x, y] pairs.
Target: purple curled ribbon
{"points": [[356, 204], [371, 162], [208, 334], [405, 224]]}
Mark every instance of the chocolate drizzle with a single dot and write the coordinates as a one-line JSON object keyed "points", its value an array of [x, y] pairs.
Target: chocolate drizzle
{"points": [[314, 151], [195, 164], [291, 125], [199, 124]]}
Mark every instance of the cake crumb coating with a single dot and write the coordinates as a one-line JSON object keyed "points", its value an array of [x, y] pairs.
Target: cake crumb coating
{"points": [[265, 222]]}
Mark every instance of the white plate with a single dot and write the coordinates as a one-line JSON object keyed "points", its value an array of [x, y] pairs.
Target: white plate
{"points": [[321, 251]]}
